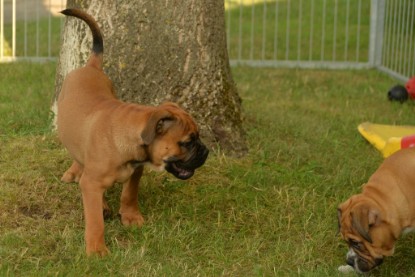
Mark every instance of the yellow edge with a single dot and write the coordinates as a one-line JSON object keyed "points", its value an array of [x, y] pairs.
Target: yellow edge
{"points": [[386, 144], [374, 139]]}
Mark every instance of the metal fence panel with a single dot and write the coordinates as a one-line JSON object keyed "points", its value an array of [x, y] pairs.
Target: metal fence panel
{"points": [[398, 55], [30, 29], [310, 33], [337, 34]]}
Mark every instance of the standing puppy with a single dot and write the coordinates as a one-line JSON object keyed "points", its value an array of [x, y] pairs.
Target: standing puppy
{"points": [[110, 141], [372, 221]]}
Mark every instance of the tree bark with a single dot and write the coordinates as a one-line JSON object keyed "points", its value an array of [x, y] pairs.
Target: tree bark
{"points": [[156, 51]]}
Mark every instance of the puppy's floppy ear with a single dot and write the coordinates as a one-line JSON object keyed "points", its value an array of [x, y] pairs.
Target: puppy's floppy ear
{"points": [[364, 217], [342, 208], [339, 218], [158, 123]]}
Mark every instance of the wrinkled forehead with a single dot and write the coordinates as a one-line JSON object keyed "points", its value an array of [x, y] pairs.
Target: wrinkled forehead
{"points": [[344, 219], [188, 124], [184, 119], [346, 204], [183, 129], [342, 210], [345, 207]]}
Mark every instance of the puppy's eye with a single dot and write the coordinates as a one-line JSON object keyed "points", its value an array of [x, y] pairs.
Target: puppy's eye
{"points": [[186, 144], [355, 244]]}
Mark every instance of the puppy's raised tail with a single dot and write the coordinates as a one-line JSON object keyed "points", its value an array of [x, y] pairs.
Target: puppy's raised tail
{"points": [[97, 41]]}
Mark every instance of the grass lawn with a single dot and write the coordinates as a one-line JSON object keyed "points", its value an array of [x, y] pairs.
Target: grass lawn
{"points": [[271, 213]]}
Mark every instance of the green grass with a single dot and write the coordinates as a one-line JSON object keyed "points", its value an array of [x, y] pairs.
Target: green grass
{"points": [[24, 100], [271, 213]]}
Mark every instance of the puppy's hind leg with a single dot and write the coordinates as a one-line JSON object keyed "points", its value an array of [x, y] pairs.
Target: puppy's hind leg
{"points": [[73, 174], [130, 214]]}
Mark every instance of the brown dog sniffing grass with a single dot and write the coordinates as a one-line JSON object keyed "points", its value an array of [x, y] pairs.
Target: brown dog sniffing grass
{"points": [[371, 222], [111, 141]]}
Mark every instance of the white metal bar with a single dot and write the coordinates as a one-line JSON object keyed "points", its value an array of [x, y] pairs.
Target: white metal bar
{"points": [[335, 29], [300, 20], [380, 30], [240, 31], [287, 34], [373, 26], [387, 34], [251, 53], [377, 10], [412, 50], [228, 26], [13, 28], [392, 32], [276, 31], [402, 36], [50, 29], [310, 48], [359, 15], [396, 38], [25, 30], [1, 29], [393, 74], [301, 64], [35, 59], [409, 57], [406, 39], [346, 43], [37, 30], [323, 30], [264, 28]]}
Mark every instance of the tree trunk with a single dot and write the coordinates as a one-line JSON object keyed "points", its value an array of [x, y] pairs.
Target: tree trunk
{"points": [[156, 51]]}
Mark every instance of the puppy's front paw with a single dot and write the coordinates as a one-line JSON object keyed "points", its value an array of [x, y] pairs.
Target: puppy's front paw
{"points": [[132, 219], [100, 251], [69, 177], [73, 174]]}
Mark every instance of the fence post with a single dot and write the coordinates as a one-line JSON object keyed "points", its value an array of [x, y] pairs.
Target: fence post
{"points": [[1, 29], [377, 22], [14, 29]]}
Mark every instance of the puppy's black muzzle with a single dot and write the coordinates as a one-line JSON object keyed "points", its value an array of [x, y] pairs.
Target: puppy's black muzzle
{"points": [[196, 157], [363, 265]]}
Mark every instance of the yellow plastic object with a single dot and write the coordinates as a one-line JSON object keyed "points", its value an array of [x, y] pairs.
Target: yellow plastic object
{"points": [[388, 138]]}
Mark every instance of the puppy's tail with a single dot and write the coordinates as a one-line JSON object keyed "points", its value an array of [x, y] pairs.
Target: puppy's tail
{"points": [[97, 41]]}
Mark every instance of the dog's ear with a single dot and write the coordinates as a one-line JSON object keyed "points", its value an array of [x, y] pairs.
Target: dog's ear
{"points": [[343, 207], [158, 123], [363, 218], [339, 218]]}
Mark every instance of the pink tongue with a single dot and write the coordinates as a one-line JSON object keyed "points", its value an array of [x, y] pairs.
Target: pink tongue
{"points": [[183, 172]]}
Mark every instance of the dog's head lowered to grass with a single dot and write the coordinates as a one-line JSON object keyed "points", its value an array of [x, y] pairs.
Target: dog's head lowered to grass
{"points": [[172, 141], [369, 236]]}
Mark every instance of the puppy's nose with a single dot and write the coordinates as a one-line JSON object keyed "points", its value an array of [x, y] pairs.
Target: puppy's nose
{"points": [[350, 261], [205, 153], [201, 156], [202, 151], [378, 261]]}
